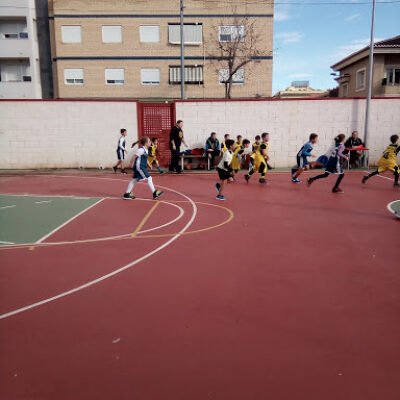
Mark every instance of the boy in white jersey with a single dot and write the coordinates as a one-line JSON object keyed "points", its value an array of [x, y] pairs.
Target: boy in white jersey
{"points": [[224, 168], [121, 151]]}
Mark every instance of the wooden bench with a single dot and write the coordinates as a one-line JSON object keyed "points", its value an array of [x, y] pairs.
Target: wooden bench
{"points": [[193, 157]]}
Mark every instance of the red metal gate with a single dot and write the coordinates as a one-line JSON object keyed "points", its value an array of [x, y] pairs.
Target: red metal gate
{"points": [[156, 120]]}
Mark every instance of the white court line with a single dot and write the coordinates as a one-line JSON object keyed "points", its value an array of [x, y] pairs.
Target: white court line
{"points": [[2, 241], [385, 177], [3, 208], [117, 271], [41, 202], [68, 221]]}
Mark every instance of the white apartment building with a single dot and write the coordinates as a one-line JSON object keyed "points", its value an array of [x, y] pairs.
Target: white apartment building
{"points": [[19, 51]]}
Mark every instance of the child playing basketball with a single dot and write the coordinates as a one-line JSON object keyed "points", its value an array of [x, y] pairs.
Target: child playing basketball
{"points": [[260, 160], [224, 169], [238, 154], [334, 166], [140, 173], [255, 150], [302, 160], [223, 144], [153, 152], [121, 151], [388, 161]]}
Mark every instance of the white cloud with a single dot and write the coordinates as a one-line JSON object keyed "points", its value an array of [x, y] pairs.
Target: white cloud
{"points": [[301, 75], [281, 13], [352, 47], [290, 37], [353, 17]]}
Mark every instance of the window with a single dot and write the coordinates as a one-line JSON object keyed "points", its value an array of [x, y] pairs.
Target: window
{"points": [[111, 34], [150, 76], [360, 79], [71, 34], [115, 76], [149, 33], [192, 33], [231, 33], [15, 71], [193, 74], [345, 90], [13, 30], [237, 78], [393, 76], [73, 76]]}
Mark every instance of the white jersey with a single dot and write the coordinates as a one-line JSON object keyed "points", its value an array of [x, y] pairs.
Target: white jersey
{"points": [[226, 158]]}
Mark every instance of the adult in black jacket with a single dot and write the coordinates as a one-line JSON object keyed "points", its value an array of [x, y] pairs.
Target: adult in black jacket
{"points": [[353, 141], [175, 141]]}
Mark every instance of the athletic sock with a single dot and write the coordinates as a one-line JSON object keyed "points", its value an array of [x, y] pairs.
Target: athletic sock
{"points": [[131, 185], [150, 183], [372, 174], [159, 169], [339, 179]]}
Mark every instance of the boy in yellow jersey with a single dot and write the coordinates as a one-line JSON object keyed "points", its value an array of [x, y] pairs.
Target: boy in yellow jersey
{"points": [[255, 151], [238, 141], [223, 144], [388, 161], [153, 152], [238, 153], [260, 161]]}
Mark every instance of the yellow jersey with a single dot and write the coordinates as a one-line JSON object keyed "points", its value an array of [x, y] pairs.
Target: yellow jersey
{"points": [[152, 154], [236, 157], [255, 149], [390, 154], [223, 147]]}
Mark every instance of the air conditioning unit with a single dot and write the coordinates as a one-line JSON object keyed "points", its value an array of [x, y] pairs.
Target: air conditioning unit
{"points": [[26, 78]]}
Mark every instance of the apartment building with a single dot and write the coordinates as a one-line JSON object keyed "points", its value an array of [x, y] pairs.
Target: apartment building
{"points": [[20, 68], [353, 71], [131, 48]]}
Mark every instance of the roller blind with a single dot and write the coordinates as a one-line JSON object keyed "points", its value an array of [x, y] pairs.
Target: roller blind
{"points": [[192, 74], [193, 34], [112, 34], [115, 76], [150, 76], [71, 34], [149, 33]]}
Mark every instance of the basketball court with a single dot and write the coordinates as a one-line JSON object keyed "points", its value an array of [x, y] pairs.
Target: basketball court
{"points": [[190, 298]]}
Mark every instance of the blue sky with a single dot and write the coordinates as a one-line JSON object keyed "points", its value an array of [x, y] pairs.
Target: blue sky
{"points": [[308, 39]]}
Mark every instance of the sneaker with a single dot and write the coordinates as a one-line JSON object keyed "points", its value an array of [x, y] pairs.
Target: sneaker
{"points": [[128, 196], [247, 178], [309, 182], [161, 172], [364, 179], [220, 197], [295, 180], [218, 187], [263, 181], [337, 190], [157, 194], [114, 169], [123, 171]]}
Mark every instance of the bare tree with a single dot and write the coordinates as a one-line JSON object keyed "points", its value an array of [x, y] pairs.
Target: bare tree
{"points": [[238, 44]]}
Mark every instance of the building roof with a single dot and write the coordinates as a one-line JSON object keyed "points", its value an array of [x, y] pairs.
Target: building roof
{"points": [[383, 45]]}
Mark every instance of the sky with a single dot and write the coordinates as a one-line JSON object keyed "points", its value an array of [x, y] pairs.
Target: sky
{"points": [[309, 38]]}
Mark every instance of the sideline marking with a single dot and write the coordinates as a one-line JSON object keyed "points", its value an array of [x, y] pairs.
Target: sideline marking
{"points": [[43, 201], [3, 208], [68, 221], [385, 177], [3, 241], [117, 271], [144, 220]]}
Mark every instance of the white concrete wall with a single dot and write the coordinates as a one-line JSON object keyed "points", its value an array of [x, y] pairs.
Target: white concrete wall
{"points": [[70, 134], [63, 134], [291, 122]]}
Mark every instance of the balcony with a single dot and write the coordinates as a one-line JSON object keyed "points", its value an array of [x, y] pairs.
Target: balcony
{"points": [[15, 48], [389, 90]]}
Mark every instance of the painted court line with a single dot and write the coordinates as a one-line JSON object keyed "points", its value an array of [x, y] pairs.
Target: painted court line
{"points": [[4, 242], [68, 221], [3, 208], [144, 220], [117, 271], [44, 201], [385, 177]]}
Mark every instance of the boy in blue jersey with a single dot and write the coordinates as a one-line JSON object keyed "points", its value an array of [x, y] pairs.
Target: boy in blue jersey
{"points": [[140, 162], [121, 151], [302, 158]]}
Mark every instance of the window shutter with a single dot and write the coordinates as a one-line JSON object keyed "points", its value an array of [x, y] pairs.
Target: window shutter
{"points": [[71, 34], [112, 34], [150, 76], [149, 33]]}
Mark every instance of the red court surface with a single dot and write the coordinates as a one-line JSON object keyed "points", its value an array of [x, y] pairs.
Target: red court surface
{"points": [[281, 292]]}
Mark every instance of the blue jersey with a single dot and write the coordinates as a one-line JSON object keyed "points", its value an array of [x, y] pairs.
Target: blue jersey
{"points": [[306, 150], [140, 165]]}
